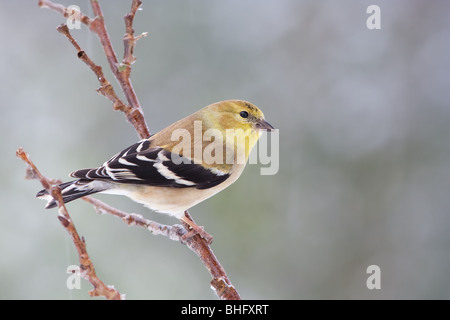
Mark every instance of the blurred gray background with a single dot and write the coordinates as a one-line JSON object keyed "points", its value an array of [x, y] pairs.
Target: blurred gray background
{"points": [[364, 119]]}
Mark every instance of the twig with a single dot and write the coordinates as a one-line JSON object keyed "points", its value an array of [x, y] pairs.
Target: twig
{"points": [[133, 111], [174, 232], [135, 115], [106, 89], [220, 282], [86, 265], [129, 41], [63, 10]]}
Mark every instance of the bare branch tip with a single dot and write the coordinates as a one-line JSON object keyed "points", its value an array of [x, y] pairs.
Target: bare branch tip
{"points": [[62, 28], [142, 35], [20, 153], [42, 4]]}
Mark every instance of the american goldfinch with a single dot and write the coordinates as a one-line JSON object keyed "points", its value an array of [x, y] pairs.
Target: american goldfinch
{"points": [[180, 166]]}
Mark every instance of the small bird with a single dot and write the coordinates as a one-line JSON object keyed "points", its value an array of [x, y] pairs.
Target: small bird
{"points": [[180, 166]]}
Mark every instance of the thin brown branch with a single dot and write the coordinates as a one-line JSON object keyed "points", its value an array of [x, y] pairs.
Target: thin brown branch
{"points": [[136, 115], [133, 111], [66, 12], [106, 89], [174, 232], [86, 265], [220, 281], [129, 40]]}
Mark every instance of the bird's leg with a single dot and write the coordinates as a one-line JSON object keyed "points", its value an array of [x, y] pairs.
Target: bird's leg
{"points": [[195, 229]]}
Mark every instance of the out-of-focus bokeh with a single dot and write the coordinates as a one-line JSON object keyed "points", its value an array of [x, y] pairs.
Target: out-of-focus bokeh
{"points": [[364, 152]]}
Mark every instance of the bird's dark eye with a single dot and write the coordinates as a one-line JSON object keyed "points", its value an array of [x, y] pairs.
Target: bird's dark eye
{"points": [[244, 114]]}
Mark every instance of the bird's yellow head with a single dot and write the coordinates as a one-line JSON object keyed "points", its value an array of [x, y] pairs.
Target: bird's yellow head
{"points": [[241, 120], [237, 114]]}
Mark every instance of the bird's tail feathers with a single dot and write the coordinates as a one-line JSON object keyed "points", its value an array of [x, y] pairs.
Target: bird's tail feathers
{"points": [[72, 190]]}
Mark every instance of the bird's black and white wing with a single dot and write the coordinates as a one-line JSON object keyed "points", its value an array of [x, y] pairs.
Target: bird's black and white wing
{"points": [[154, 166]]}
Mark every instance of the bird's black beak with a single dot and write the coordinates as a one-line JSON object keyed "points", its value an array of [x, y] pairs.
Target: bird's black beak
{"points": [[264, 125]]}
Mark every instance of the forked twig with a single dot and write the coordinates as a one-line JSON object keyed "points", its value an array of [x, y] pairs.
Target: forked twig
{"points": [[121, 71]]}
